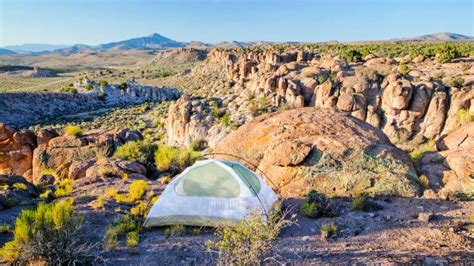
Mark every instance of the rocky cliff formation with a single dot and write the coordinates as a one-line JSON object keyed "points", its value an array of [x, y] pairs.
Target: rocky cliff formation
{"points": [[323, 149], [450, 170], [25, 109], [46, 153], [415, 105]]}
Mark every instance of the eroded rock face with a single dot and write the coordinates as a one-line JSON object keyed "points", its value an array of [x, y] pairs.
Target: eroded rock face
{"points": [[450, 171], [324, 149], [16, 151], [415, 106], [70, 156], [194, 119]]}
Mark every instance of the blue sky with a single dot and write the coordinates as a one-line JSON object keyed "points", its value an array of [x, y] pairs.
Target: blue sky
{"points": [[99, 21]]}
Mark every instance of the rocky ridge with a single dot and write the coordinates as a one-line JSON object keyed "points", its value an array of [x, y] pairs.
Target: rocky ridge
{"points": [[410, 108], [25, 109]]}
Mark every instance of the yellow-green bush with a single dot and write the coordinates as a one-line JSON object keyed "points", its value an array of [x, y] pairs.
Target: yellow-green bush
{"points": [[110, 192], [118, 228], [51, 231], [72, 130], [422, 149], [20, 186], [138, 151], [171, 159], [64, 188], [464, 117], [138, 189]]}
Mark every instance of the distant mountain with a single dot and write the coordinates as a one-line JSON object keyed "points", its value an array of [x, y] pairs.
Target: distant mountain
{"points": [[437, 37], [35, 47], [6, 52], [154, 41]]}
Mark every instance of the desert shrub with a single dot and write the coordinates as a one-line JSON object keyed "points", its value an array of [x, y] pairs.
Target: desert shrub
{"points": [[72, 130], [352, 55], [89, 87], [403, 69], [102, 96], [471, 218], [123, 86], [140, 210], [328, 231], [103, 83], [138, 189], [447, 53], [10, 202], [99, 204], [169, 158], [198, 144], [20, 186], [464, 117], [119, 228], [132, 239], [362, 203], [196, 231], [250, 240], [139, 151], [165, 157], [316, 205], [64, 188], [424, 181], [456, 82], [417, 153], [111, 192], [165, 179], [175, 230], [69, 90], [5, 228], [225, 120], [49, 232]]}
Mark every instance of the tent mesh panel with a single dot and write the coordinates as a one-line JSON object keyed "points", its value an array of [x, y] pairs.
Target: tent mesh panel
{"points": [[209, 180]]}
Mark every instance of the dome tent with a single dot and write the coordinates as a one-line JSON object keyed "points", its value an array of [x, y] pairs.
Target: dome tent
{"points": [[210, 193]]}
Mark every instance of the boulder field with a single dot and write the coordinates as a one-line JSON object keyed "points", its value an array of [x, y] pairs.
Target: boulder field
{"points": [[450, 170], [324, 149], [409, 108], [33, 156]]}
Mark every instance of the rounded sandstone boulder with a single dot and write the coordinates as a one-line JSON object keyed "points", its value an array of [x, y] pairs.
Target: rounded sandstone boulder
{"points": [[323, 149]]}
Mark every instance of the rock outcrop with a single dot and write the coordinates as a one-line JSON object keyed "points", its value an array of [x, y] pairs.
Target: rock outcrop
{"points": [[324, 149], [411, 107], [450, 171], [26, 109], [16, 151], [195, 119], [71, 156]]}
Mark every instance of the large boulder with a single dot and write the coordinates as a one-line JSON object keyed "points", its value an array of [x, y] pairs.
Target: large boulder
{"points": [[450, 171], [16, 151], [71, 156], [324, 149]]}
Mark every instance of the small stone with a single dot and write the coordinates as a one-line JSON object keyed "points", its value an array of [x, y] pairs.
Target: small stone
{"points": [[305, 238], [425, 216], [371, 215]]}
